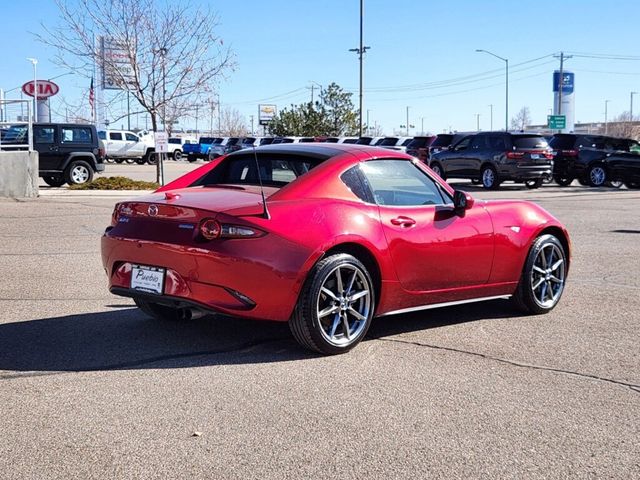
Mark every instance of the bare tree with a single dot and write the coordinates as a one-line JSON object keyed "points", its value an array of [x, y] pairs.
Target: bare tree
{"points": [[232, 123], [621, 127], [167, 54], [521, 120]]}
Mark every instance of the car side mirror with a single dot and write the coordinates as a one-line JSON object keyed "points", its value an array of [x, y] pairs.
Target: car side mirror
{"points": [[462, 200]]}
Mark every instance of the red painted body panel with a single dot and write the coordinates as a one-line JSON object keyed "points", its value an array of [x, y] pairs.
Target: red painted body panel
{"points": [[445, 256]]}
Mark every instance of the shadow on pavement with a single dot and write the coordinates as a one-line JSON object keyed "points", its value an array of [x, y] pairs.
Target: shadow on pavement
{"points": [[126, 339]]}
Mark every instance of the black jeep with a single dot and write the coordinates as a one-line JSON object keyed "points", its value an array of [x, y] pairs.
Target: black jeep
{"points": [[68, 152]]}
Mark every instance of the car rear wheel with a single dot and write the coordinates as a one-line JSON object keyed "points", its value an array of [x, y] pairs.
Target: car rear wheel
{"points": [[78, 172], [163, 312], [335, 307], [563, 181], [597, 176], [177, 155], [613, 183], [531, 184], [53, 181], [438, 170], [191, 158], [543, 276], [489, 178], [151, 158]]}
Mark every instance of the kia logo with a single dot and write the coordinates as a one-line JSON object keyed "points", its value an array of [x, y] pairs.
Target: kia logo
{"points": [[46, 88], [153, 210]]}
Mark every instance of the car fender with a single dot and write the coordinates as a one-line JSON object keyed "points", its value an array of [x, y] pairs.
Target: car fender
{"points": [[85, 156]]}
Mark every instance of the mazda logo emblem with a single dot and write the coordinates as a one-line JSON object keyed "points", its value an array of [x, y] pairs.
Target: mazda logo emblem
{"points": [[153, 210]]}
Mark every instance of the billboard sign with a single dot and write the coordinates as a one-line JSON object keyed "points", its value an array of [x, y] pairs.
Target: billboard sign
{"points": [[46, 89], [568, 80], [266, 114], [117, 71]]}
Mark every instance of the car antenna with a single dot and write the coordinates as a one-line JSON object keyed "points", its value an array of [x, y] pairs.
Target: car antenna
{"points": [[265, 212]]}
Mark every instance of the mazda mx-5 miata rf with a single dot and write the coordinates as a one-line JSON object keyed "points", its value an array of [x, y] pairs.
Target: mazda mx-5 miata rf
{"points": [[325, 237]]}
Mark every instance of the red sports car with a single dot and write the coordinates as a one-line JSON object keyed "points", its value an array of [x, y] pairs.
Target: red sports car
{"points": [[325, 237]]}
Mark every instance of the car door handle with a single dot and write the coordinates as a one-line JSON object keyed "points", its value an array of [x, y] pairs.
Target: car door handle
{"points": [[403, 221], [53, 149]]}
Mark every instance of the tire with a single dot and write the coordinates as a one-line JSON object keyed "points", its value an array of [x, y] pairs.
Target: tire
{"points": [[475, 181], [118, 160], [584, 182], [163, 312], [597, 175], [632, 185], [151, 158], [327, 319], [78, 173], [438, 170], [141, 161], [613, 183], [53, 181], [541, 286], [130, 161], [489, 178], [191, 158], [532, 184], [562, 180], [177, 155]]}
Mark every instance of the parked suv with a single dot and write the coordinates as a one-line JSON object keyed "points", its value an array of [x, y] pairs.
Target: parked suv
{"points": [[623, 167], [493, 157], [582, 157], [68, 153], [123, 145], [419, 147]]}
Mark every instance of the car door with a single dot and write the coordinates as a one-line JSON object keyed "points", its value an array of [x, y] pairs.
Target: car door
{"points": [[44, 141], [115, 144], [454, 161], [134, 147], [477, 152], [433, 248]]}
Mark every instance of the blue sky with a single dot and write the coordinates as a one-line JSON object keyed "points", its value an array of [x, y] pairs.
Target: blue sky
{"points": [[417, 48]]}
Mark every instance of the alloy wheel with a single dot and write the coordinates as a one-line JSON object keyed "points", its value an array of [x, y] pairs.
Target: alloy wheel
{"points": [[344, 305], [548, 275], [597, 175], [80, 174]]}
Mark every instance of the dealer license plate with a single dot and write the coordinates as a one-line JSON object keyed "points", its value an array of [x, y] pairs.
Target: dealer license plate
{"points": [[535, 156], [147, 279]]}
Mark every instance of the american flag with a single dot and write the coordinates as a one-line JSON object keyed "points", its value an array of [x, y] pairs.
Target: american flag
{"points": [[91, 95]]}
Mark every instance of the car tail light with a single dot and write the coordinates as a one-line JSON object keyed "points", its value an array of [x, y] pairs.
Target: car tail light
{"points": [[121, 213], [515, 155], [211, 229]]}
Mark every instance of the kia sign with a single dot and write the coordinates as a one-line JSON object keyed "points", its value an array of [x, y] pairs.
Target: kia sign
{"points": [[46, 89]]}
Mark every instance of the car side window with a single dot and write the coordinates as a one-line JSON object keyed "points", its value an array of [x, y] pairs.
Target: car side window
{"points": [[43, 134], [401, 183], [479, 143], [115, 136], [75, 135], [462, 144], [352, 178], [131, 137]]}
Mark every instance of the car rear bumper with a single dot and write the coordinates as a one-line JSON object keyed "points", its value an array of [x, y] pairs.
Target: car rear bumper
{"points": [[259, 286], [520, 172]]}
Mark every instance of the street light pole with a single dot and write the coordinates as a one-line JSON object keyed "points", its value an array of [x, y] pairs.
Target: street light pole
{"points": [[34, 61], [631, 106], [407, 121], [491, 116], [477, 122], [360, 51], [506, 88], [606, 124]]}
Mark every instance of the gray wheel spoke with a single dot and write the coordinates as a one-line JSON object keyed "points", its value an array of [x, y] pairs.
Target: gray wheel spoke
{"points": [[537, 284], [328, 311], [329, 293], [556, 265], [539, 270], [352, 281], [339, 282], [555, 279], [356, 314], [550, 289], [345, 326], [357, 296], [334, 326], [543, 258]]}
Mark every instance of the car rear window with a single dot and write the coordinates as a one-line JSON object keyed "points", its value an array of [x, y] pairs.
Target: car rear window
{"points": [[529, 141], [442, 140], [206, 140], [563, 142], [419, 142], [387, 142], [275, 170]]}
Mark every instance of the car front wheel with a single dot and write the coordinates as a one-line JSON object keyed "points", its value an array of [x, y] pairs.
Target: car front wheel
{"points": [[438, 170], [543, 276], [335, 307], [78, 172], [177, 155], [597, 176], [53, 181], [563, 181]]}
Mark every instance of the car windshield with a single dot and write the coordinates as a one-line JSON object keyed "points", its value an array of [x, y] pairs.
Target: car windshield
{"points": [[275, 170], [529, 141], [386, 142], [206, 140], [419, 142], [442, 140]]}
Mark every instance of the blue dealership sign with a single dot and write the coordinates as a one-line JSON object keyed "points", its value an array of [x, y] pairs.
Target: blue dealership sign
{"points": [[568, 79]]}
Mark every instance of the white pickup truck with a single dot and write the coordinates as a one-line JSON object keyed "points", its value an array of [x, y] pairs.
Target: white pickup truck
{"points": [[122, 145]]}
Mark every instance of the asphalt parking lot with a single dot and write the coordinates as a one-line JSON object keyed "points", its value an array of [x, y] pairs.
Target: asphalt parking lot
{"points": [[91, 388]]}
